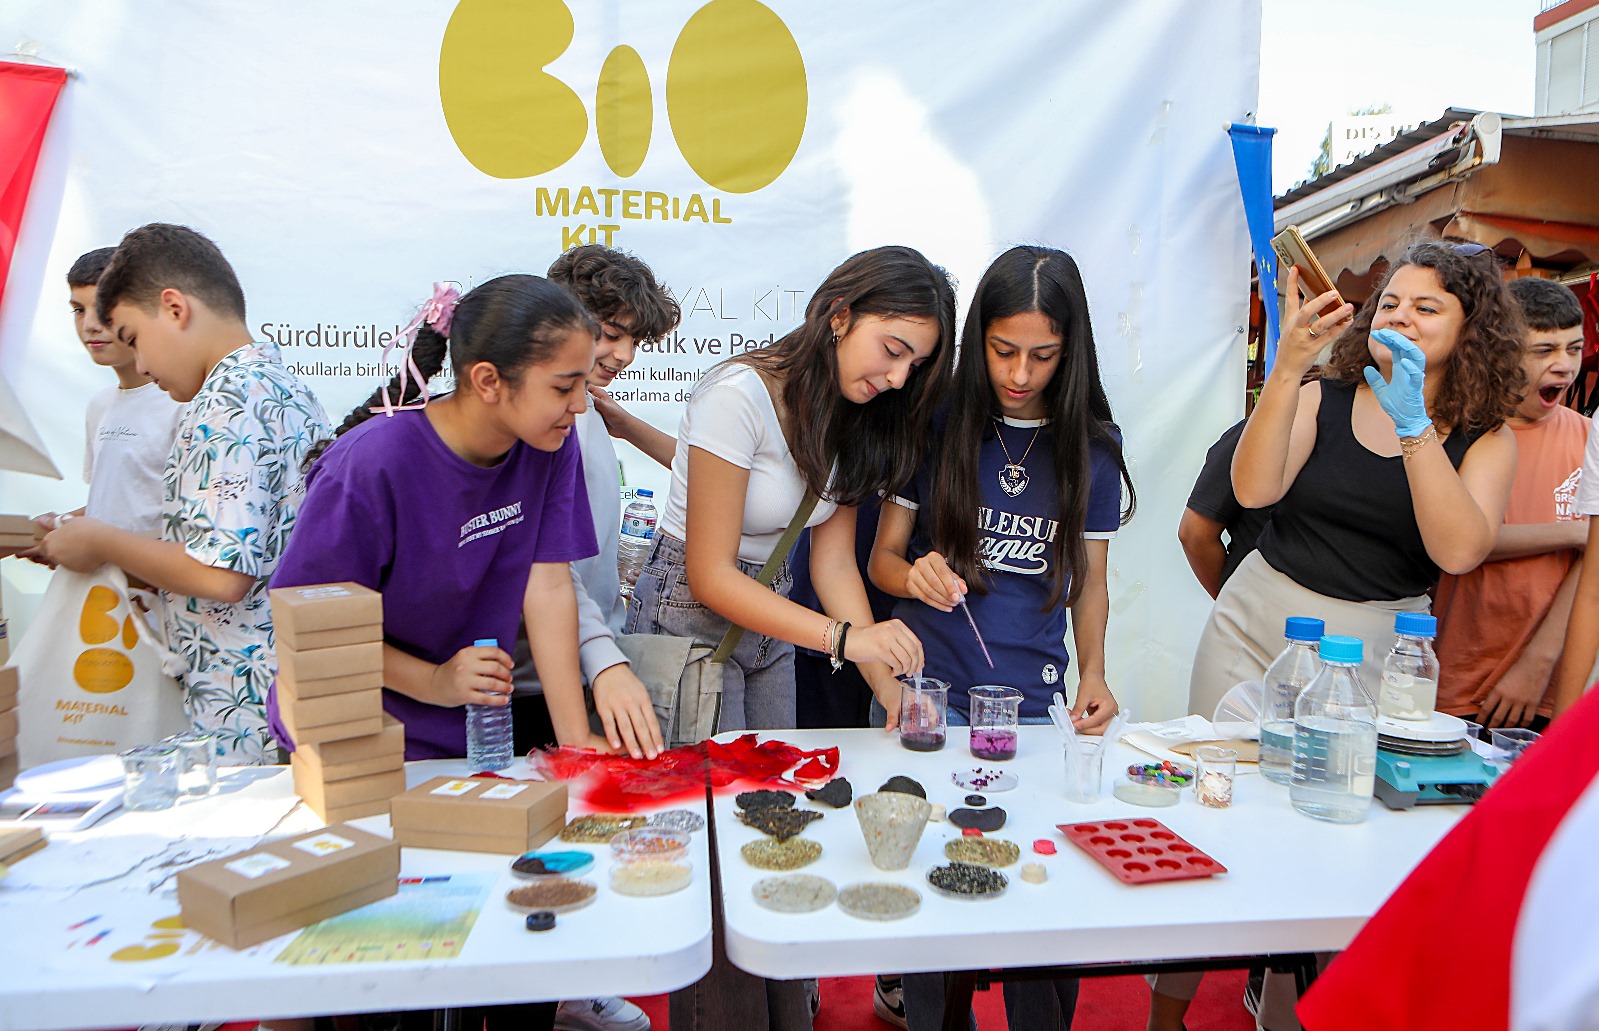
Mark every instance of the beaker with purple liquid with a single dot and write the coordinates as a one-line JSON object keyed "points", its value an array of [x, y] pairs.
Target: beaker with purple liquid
{"points": [[995, 714], [923, 713]]}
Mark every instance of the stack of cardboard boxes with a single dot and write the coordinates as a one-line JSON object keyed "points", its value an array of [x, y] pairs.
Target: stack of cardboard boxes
{"points": [[349, 756], [8, 725]]}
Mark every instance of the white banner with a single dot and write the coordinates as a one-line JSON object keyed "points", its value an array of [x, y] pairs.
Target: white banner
{"points": [[347, 155]]}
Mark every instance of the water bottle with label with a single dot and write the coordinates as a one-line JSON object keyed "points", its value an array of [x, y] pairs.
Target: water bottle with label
{"points": [[1410, 672], [489, 743], [1335, 738], [638, 532], [1288, 675]]}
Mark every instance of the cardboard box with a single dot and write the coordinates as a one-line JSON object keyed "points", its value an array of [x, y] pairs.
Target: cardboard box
{"points": [[329, 663], [8, 724], [311, 640], [356, 810], [333, 708], [276, 888], [8, 755], [364, 681], [311, 760], [323, 796], [317, 608], [303, 736], [479, 814], [17, 842], [345, 751], [9, 683]]}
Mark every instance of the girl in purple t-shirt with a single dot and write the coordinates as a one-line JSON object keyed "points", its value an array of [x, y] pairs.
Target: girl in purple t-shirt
{"points": [[464, 512], [1014, 506]]}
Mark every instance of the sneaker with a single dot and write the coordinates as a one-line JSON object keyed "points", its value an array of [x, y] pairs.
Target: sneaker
{"points": [[609, 1013], [888, 1001], [813, 995]]}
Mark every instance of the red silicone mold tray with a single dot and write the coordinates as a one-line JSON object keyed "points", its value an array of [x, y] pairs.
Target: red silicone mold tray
{"points": [[1140, 850]]}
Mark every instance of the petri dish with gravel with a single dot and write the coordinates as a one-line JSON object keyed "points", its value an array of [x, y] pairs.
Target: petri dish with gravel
{"points": [[771, 854], [967, 882], [878, 900], [993, 852], [598, 828], [649, 844], [678, 820], [794, 893], [551, 894]]}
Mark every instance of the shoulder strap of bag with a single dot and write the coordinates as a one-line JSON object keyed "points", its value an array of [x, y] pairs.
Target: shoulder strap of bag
{"points": [[785, 544]]}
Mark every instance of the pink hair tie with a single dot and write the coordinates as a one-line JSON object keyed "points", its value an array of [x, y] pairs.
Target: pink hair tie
{"points": [[438, 312]]}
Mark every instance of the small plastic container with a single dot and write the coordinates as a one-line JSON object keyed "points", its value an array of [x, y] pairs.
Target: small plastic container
{"points": [[150, 777], [1153, 784], [649, 845]]}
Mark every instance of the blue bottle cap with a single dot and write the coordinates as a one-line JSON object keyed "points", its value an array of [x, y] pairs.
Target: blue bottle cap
{"points": [[1416, 624], [1303, 628], [1337, 648], [486, 642], [643, 493]]}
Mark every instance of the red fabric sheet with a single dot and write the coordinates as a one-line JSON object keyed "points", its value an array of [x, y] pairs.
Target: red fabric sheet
{"points": [[27, 97]]}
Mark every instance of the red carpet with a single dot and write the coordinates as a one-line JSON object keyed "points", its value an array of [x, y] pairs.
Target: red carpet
{"points": [[1106, 1004]]}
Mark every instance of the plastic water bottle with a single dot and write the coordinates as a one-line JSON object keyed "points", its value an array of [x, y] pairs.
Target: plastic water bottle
{"points": [[488, 731], [1335, 738], [1410, 672], [1288, 675], [633, 547]]}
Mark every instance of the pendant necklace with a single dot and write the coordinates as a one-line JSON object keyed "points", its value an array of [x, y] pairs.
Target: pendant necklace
{"points": [[1013, 474]]}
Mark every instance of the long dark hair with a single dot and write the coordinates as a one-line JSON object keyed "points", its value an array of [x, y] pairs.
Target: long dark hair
{"points": [[1483, 380], [511, 322], [1047, 281], [878, 445]]}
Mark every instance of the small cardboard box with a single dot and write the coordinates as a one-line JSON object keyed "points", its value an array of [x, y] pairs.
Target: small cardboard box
{"points": [[479, 814], [312, 640], [8, 724], [312, 758], [17, 842], [321, 608], [333, 708], [276, 888], [326, 796], [363, 681], [9, 682], [356, 810], [350, 660], [303, 736], [390, 740]]}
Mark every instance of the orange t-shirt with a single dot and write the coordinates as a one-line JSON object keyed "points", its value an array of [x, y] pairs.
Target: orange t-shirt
{"points": [[1487, 617]]}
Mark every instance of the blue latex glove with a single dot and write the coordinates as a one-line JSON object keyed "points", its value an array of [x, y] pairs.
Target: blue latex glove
{"points": [[1401, 397]]}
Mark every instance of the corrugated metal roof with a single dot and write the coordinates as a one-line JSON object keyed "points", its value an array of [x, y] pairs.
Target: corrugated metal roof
{"points": [[1398, 145]]}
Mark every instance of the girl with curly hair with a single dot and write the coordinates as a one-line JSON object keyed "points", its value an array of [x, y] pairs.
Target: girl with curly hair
{"points": [[1395, 465]]}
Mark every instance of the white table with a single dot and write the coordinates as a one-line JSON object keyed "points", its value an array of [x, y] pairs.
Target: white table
{"points": [[1294, 884], [616, 946]]}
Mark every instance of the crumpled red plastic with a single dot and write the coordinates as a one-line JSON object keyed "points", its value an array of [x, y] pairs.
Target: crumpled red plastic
{"points": [[620, 783]]}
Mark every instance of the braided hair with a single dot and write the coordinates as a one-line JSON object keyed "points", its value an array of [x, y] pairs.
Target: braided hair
{"points": [[511, 322]]}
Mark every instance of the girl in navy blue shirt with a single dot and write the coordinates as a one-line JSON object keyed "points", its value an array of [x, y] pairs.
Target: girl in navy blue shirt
{"points": [[1013, 510]]}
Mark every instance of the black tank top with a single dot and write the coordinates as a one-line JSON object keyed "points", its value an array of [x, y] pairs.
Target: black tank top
{"points": [[1347, 528]]}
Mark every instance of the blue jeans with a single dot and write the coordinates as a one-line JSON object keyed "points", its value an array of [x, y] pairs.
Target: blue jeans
{"points": [[758, 683]]}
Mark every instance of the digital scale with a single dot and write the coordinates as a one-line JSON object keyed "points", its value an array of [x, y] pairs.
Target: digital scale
{"points": [[1429, 762]]}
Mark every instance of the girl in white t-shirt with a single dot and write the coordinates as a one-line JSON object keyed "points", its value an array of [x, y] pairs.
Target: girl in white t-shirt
{"points": [[803, 414], [762, 429]]}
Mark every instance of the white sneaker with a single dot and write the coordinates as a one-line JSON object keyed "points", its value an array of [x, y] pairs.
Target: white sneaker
{"points": [[610, 1013]]}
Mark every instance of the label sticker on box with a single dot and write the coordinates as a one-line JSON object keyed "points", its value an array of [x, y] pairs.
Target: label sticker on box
{"points": [[324, 844], [257, 864], [454, 787], [504, 791], [310, 593]]}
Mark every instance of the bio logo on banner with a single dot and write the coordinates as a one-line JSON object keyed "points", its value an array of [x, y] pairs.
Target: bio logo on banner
{"points": [[736, 98]]}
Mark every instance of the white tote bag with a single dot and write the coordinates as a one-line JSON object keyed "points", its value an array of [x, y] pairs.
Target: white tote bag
{"points": [[94, 675]]}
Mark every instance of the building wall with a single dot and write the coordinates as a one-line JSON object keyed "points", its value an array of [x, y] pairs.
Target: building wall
{"points": [[1567, 37]]}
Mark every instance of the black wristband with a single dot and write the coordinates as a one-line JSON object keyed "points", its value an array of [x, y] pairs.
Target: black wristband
{"points": [[843, 632]]}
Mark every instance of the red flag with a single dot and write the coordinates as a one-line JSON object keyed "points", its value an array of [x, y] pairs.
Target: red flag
{"points": [[1438, 953], [27, 97]]}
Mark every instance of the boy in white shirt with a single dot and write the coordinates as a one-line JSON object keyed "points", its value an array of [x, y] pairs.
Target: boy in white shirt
{"points": [[130, 426]]}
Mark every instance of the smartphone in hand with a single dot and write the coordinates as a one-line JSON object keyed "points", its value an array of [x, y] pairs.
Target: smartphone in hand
{"points": [[1291, 249]]}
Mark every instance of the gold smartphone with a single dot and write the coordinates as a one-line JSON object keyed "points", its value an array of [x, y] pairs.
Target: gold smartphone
{"points": [[1291, 249]]}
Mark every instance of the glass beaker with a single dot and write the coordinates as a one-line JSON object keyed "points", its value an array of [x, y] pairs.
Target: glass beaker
{"points": [[1218, 768], [197, 762], [149, 777], [923, 713], [995, 713], [1085, 769]]}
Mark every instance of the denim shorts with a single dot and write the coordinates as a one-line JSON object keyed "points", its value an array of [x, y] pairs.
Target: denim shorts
{"points": [[758, 684]]}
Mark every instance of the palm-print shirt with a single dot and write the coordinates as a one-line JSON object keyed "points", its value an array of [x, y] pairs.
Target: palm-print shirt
{"points": [[233, 486]]}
